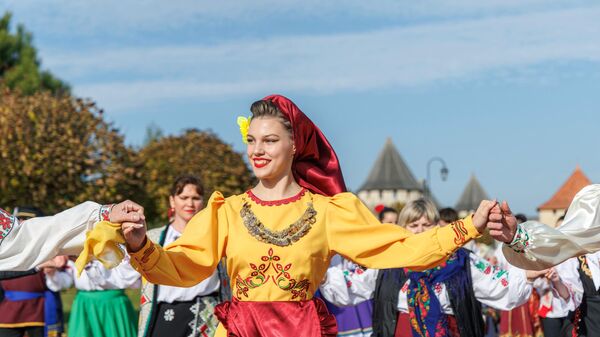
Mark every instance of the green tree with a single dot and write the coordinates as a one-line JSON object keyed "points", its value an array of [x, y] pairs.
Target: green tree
{"points": [[19, 65], [196, 152], [57, 151]]}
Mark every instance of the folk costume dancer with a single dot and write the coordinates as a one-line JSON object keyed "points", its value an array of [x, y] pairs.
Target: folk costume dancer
{"points": [[279, 236], [443, 301], [101, 308], [175, 311]]}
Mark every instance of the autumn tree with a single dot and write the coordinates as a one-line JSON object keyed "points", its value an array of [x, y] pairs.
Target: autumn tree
{"points": [[20, 67], [195, 152], [57, 151]]}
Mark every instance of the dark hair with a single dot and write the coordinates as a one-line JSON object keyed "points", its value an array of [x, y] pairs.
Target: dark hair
{"points": [[265, 108], [448, 214], [386, 210], [183, 181], [521, 217], [28, 212]]}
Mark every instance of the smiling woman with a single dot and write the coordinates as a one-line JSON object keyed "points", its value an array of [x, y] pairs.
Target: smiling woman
{"points": [[279, 236]]}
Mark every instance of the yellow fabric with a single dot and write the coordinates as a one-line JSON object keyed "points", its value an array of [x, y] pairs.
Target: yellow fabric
{"points": [[21, 325], [102, 242], [266, 272]]}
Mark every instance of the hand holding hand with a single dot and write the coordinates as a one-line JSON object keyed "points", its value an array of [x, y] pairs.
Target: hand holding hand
{"points": [[480, 218], [533, 274], [135, 235], [552, 275], [126, 211], [502, 223]]}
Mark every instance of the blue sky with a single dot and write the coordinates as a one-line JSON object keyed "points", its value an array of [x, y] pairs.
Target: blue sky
{"points": [[505, 89]]}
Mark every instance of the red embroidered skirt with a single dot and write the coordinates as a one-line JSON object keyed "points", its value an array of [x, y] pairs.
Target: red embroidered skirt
{"points": [[276, 319]]}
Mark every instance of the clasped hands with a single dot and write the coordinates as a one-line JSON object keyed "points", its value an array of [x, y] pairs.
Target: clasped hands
{"points": [[497, 218], [133, 223]]}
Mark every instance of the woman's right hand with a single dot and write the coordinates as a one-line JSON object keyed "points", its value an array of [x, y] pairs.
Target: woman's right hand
{"points": [[135, 235]]}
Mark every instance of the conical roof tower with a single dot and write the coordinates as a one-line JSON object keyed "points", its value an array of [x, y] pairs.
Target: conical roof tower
{"points": [[472, 196], [390, 172]]}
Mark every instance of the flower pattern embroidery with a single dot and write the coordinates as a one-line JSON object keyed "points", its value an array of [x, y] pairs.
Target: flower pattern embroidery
{"points": [[169, 315], [104, 213], [272, 270], [521, 240], [498, 274], [7, 222]]}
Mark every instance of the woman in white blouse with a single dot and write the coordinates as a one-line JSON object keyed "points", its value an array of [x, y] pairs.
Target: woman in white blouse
{"points": [[100, 308], [456, 289]]}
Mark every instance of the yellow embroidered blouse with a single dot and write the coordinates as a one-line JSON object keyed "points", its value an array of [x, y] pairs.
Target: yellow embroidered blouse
{"points": [[261, 271]]}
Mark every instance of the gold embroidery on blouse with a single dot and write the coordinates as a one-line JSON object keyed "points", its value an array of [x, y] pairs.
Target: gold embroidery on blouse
{"points": [[584, 266], [282, 238], [271, 269]]}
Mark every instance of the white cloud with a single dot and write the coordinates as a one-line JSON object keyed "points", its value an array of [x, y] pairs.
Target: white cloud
{"points": [[406, 56], [128, 17]]}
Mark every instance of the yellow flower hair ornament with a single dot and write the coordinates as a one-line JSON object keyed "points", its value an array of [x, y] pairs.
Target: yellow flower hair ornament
{"points": [[244, 123]]}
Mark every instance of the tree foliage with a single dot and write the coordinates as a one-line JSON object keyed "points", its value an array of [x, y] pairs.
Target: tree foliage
{"points": [[57, 151], [196, 152], [19, 65]]}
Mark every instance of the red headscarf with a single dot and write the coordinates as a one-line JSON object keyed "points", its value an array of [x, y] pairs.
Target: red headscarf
{"points": [[316, 166]]}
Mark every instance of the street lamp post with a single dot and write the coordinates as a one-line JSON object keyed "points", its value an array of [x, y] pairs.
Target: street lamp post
{"points": [[443, 172]]}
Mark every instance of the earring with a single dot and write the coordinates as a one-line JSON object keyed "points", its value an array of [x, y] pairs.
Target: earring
{"points": [[171, 212]]}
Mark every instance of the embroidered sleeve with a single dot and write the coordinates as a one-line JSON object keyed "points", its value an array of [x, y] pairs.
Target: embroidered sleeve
{"points": [[521, 240], [7, 222], [496, 287], [104, 213]]}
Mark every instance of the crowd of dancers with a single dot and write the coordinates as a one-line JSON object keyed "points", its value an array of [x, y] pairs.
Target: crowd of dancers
{"points": [[297, 255]]}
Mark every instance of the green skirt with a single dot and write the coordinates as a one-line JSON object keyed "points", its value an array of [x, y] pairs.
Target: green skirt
{"points": [[104, 313]]}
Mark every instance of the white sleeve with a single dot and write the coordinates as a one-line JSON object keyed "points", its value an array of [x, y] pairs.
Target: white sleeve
{"points": [[537, 246], [502, 289], [121, 277], [60, 280], [569, 275], [27, 244], [345, 289]]}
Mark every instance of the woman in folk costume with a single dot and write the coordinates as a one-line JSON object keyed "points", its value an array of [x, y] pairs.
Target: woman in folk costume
{"points": [[443, 301], [347, 289], [175, 311], [100, 308], [279, 236]]}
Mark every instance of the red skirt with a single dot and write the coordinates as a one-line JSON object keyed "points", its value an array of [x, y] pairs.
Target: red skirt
{"points": [[276, 319]]}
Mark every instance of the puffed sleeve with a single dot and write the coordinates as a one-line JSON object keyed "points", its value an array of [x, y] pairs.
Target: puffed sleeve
{"points": [[537, 246], [26, 244], [355, 233], [194, 256], [502, 289]]}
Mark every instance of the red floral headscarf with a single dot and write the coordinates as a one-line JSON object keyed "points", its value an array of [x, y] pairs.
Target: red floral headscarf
{"points": [[316, 166]]}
